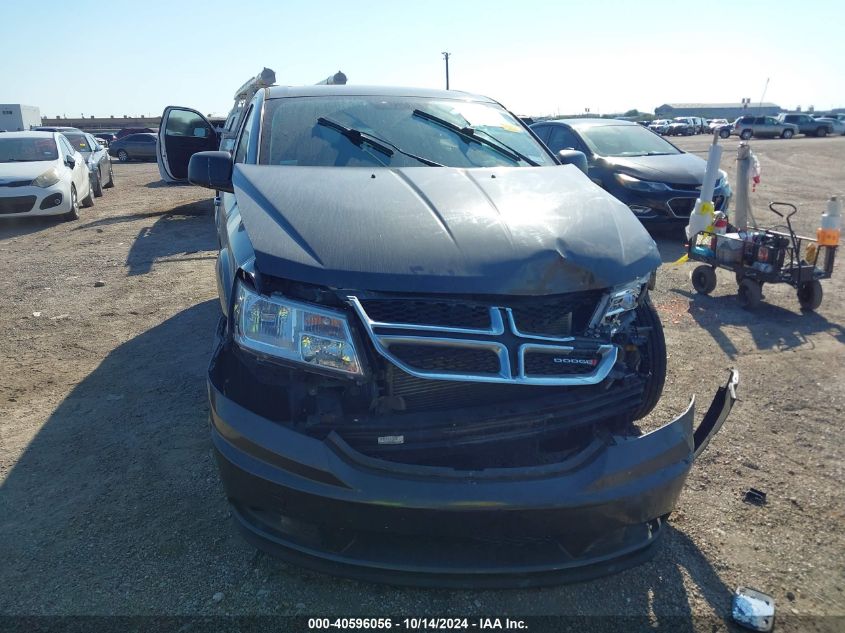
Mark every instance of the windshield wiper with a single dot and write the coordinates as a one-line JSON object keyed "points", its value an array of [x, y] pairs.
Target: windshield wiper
{"points": [[522, 156], [357, 137], [468, 134]]}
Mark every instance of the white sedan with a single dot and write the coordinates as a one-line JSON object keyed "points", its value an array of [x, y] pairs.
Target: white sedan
{"points": [[41, 174]]}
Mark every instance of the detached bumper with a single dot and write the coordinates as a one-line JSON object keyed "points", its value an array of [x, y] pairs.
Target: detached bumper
{"points": [[322, 504]]}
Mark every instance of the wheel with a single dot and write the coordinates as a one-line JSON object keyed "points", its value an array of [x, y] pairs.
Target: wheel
{"points": [[652, 358], [745, 135], [787, 134], [703, 279], [122, 156], [97, 185], [88, 201], [750, 293], [724, 133], [822, 131], [110, 183], [810, 295], [73, 214]]}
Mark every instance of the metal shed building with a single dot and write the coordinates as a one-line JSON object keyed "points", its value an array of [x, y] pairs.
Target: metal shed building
{"points": [[728, 111], [15, 117]]}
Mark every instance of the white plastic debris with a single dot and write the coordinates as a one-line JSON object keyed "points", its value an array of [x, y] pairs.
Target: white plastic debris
{"points": [[753, 609]]}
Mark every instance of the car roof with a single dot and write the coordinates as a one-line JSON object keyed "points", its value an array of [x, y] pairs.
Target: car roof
{"points": [[140, 134], [53, 128], [30, 134], [277, 92], [585, 123]]}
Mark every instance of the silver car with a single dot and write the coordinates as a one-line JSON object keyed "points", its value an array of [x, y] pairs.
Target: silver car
{"points": [[762, 126]]}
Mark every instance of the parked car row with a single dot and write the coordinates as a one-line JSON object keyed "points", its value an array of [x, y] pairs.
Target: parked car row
{"points": [[784, 125]]}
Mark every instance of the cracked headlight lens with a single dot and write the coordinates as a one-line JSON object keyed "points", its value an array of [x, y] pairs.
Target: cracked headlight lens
{"points": [[294, 331], [625, 297]]}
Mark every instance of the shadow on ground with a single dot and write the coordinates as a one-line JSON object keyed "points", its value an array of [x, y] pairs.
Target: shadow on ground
{"points": [[182, 230], [115, 507], [15, 227], [771, 327]]}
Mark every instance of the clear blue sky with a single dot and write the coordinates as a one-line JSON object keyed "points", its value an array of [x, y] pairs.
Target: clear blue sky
{"points": [[116, 57]]}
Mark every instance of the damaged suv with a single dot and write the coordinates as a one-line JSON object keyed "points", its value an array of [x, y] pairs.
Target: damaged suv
{"points": [[434, 343]]}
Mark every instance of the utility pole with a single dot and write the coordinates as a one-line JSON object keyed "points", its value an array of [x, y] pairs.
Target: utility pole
{"points": [[446, 56]]}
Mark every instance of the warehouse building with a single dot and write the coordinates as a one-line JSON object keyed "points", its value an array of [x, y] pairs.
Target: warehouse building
{"points": [[15, 117], [729, 111]]}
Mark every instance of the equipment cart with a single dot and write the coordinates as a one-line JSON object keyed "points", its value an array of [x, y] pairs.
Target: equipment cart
{"points": [[763, 256]]}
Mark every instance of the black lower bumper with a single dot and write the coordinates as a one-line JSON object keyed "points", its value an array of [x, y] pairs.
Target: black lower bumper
{"points": [[322, 504]]}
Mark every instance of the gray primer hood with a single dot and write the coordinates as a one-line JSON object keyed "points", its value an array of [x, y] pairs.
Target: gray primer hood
{"points": [[512, 231]]}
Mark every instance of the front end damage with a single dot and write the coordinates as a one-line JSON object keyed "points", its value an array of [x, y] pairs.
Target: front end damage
{"points": [[487, 441]]}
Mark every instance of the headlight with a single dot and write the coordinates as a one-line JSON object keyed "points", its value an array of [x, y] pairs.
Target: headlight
{"points": [[625, 297], [48, 178], [639, 185], [294, 331]]}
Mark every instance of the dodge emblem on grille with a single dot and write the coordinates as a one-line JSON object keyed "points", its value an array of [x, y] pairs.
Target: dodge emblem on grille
{"points": [[576, 361]]}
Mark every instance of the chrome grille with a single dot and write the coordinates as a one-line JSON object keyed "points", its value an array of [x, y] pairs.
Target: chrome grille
{"points": [[531, 343]]}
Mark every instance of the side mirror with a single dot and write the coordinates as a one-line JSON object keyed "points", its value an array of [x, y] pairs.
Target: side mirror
{"points": [[70, 161], [212, 170], [573, 157]]}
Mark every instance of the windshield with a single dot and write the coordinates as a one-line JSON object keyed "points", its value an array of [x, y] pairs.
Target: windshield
{"points": [[625, 140], [77, 141], [292, 134], [13, 150]]}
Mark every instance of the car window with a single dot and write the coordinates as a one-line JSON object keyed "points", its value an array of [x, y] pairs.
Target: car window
{"points": [[66, 148], [292, 135], [625, 140], [243, 141], [77, 141], [186, 123], [23, 150], [562, 138], [771, 121]]}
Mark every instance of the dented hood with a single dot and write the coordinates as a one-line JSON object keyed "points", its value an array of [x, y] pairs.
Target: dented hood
{"points": [[514, 231]]}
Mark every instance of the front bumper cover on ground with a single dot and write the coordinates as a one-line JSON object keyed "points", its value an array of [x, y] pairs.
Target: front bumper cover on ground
{"points": [[324, 505]]}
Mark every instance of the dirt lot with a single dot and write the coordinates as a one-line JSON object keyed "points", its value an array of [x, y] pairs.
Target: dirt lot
{"points": [[110, 501]]}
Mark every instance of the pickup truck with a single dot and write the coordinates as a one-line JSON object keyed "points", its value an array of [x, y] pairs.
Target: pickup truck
{"points": [[434, 341], [807, 125]]}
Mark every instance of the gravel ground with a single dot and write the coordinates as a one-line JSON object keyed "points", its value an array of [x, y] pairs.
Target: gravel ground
{"points": [[110, 503]]}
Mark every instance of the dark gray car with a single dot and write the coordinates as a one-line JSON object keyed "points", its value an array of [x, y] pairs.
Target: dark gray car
{"points": [[140, 146], [430, 335], [97, 158]]}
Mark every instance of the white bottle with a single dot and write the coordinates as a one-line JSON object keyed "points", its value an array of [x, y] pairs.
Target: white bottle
{"points": [[831, 226]]}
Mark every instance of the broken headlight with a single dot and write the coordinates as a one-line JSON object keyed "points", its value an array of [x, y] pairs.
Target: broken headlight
{"points": [[624, 298], [294, 331]]}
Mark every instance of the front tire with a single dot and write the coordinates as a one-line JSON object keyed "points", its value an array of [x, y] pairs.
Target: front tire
{"points": [[73, 214], [703, 279], [97, 185], [653, 358], [810, 295], [123, 156], [110, 183], [724, 133], [787, 134], [750, 293], [821, 132]]}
